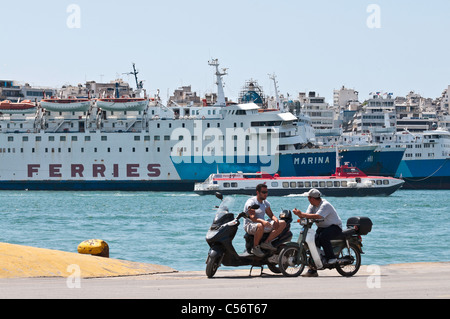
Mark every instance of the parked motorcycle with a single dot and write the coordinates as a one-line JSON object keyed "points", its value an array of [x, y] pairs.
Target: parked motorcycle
{"points": [[220, 239], [348, 249]]}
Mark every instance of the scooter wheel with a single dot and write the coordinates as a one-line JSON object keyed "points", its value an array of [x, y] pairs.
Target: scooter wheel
{"points": [[274, 268], [349, 261], [212, 264], [292, 262]]}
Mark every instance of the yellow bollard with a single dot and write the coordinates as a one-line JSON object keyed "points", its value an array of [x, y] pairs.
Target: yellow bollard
{"points": [[95, 247]]}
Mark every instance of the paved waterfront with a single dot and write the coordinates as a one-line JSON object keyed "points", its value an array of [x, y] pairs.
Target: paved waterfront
{"points": [[29, 272], [405, 281]]}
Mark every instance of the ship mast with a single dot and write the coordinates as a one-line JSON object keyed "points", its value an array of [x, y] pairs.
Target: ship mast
{"points": [[220, 94], [273, 77], [135, 73], [338, 158], [338, 162], [139, 85]]}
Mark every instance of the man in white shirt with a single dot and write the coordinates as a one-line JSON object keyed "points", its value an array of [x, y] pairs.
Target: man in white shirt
{"points": [[257, 225], [328, 229]]}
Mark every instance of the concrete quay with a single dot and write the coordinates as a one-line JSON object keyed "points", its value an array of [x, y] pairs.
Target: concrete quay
{"points": [[34, 273]]}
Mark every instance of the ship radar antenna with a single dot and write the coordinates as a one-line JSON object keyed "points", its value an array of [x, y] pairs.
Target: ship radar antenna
{"points": [[139, 84], [220, 94]]}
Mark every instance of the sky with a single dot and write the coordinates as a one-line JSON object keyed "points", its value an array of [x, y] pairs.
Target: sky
{"points": [[371, 46]]}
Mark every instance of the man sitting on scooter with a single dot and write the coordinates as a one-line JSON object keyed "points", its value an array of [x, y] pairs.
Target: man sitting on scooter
{"points": [[328, 229], [257, 225]]}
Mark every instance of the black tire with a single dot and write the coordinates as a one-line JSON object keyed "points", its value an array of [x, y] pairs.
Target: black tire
{"points": [[290, 263], [212, 264], [274, 268], [353, 256]]}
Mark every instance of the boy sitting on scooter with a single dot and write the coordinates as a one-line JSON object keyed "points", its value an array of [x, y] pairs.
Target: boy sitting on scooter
{"points": [[328, 229], [257, 225]]}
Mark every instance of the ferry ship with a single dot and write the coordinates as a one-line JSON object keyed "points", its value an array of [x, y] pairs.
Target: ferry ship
{"points": [[412, 126], [79, 144], [425, 159], [346, 182], [426, 163], [385, 159]]}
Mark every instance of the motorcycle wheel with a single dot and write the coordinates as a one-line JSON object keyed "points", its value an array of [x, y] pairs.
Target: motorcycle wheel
{"points": [[274, 268], [349, 261], [291, 262], [212, 264]]}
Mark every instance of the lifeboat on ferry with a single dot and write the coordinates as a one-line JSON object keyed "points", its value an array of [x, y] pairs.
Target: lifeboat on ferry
{"points": [[70, 104], [123, 103], [23, 107]]}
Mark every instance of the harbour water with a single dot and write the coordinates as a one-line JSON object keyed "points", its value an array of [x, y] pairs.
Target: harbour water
{"points": [[169, 228]]}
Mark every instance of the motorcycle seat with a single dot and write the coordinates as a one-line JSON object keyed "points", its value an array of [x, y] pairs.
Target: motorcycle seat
{"points": [[346, 234]]}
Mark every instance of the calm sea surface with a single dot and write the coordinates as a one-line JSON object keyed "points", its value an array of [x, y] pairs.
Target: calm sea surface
{"points": [[170, 228]]}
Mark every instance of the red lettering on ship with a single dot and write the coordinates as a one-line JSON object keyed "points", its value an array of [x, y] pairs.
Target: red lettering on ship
{"points": [[153, 171], [132, 170], [54, 170], [33, 168], [76, 169], [98, 170]]}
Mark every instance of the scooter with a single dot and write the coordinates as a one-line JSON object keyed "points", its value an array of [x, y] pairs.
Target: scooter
{"points": [[348, 249], [220, 237]]}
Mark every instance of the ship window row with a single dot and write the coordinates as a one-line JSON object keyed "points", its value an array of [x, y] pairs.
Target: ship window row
{"points": [[86, 138], [238, 112], [208, 124], [227, 185], [425, 145], [69, 150], [266, 123], [410, 155], [420, 154], [322, 184], [312, 184]]}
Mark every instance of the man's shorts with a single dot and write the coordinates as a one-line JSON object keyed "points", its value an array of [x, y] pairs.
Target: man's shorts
{"points": [[252, 227]]}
